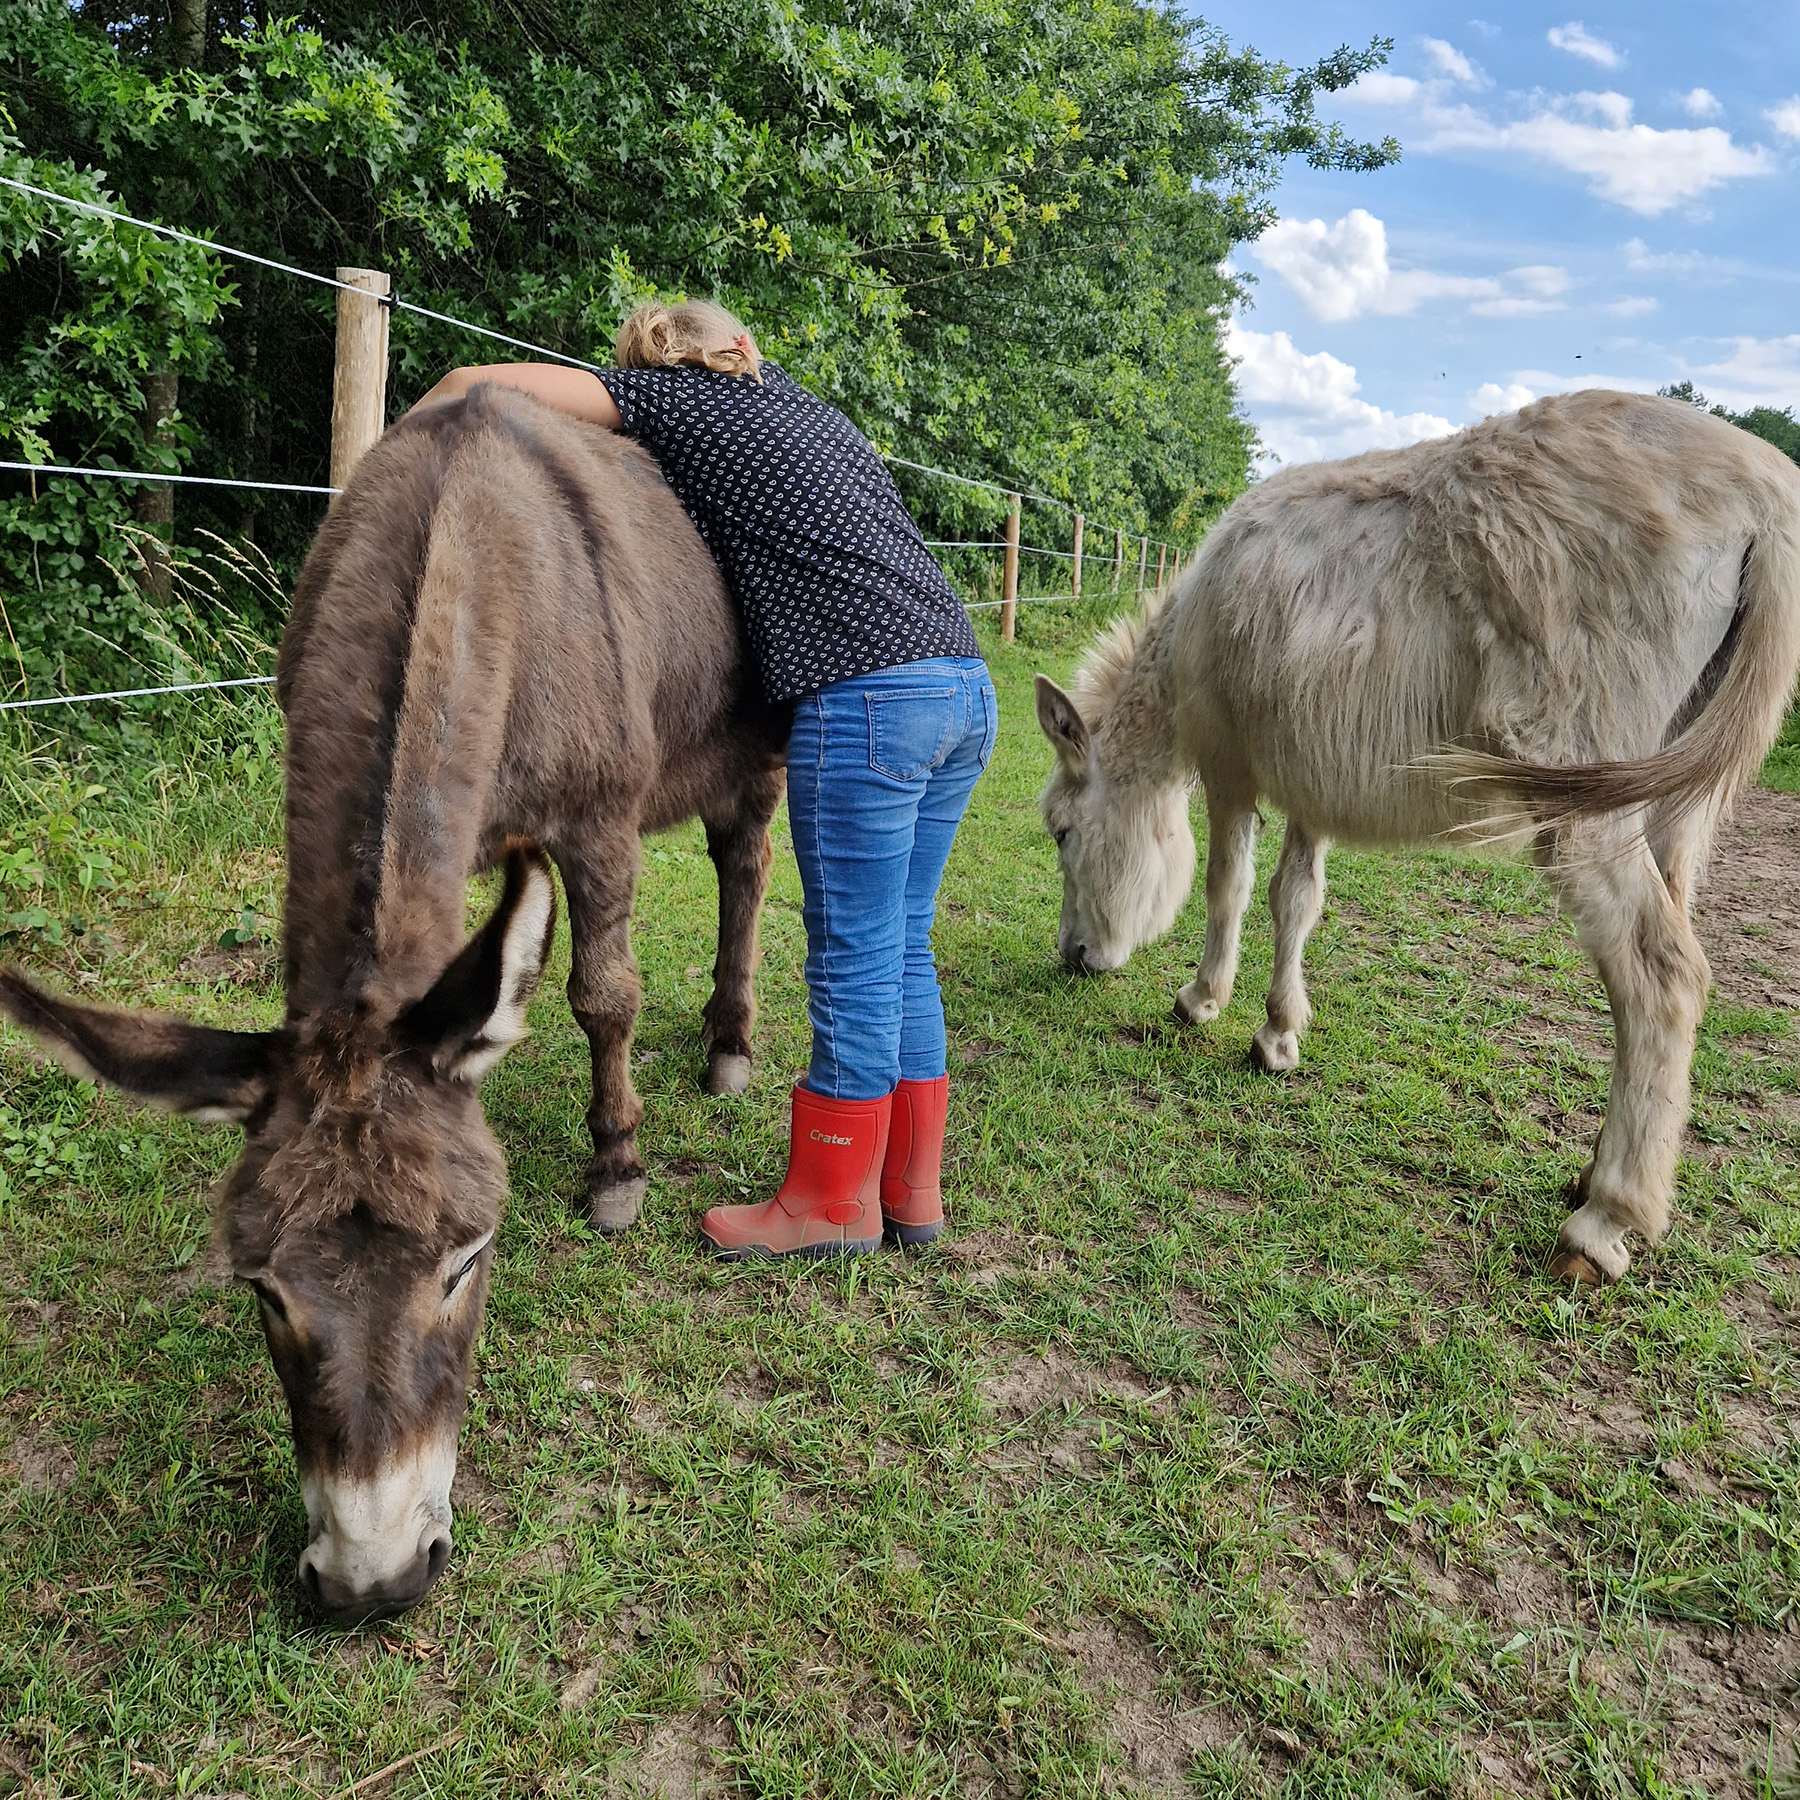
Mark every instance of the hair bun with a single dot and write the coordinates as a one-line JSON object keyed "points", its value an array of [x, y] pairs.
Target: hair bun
{"points": [[694, 333]]}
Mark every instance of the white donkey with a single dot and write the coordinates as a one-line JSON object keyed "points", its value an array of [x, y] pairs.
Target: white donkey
{"points": [[1575, 627]]}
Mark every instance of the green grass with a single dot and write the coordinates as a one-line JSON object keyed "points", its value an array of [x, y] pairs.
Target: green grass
{"points": [[1233, 1442]]}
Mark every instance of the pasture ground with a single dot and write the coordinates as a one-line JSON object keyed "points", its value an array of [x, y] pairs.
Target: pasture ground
{"points": [[1232, 1443]]}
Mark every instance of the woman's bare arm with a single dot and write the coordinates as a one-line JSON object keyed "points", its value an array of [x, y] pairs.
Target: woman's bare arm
{"points": [[571, 391]]}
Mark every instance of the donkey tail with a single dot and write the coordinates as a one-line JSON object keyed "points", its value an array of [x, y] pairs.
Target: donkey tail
{"points": [[1743, 696]]}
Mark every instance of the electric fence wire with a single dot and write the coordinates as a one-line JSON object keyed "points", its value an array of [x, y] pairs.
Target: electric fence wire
{"points": [[268, 262], [425, 312], [180, 687], [271, 487]]}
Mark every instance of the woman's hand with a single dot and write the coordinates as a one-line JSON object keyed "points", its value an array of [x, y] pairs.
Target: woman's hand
{"points": [[571, 391]]}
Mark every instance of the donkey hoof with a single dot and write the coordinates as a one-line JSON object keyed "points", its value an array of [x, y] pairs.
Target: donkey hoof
{"points": [[1571, 1266], [615, 1205], [727, 1073], [1275, 1052], [1192, 1008]]}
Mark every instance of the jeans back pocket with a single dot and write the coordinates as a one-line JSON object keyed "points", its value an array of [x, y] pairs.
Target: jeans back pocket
{"points": [[911, 731]]}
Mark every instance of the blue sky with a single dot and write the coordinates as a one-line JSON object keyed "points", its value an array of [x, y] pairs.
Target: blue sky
{"points": [[1609, 195]]}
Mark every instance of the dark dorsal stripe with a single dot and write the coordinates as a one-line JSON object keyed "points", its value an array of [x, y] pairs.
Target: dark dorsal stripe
{"points": [[575, 502], [447, 426]]}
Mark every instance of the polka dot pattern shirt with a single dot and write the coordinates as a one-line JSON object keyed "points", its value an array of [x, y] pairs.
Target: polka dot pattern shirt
{"points": [[804, 521]]}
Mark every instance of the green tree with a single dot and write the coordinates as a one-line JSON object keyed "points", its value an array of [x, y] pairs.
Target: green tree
{"points": [[993, 233]]}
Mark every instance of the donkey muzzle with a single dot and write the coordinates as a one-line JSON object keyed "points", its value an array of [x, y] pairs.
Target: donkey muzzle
{"points": [[380, 1541], [344, 1603]]}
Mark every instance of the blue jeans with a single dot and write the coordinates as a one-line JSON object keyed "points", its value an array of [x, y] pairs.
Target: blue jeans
{"points": [[880, 768]]}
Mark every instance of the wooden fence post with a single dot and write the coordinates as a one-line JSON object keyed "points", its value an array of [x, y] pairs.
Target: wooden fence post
{"points": [[1118, 557], [1162, 560], [1009, 591], [155, 505], [1143, 560], [359, 384], [1075, 566]]}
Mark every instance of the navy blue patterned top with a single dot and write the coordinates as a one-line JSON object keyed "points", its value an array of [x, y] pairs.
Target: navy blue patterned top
{"points": [[804, 521]]}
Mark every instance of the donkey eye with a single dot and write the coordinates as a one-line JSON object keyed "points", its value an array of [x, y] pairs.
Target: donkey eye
{"points": [[461, 1274], [270, 1298], [1060, 835]]}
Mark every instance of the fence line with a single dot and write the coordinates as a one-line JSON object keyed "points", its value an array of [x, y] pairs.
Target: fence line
{"points": [[358, 420], [425, 312], [1020, 600], [181, 687], [268, 262], [272, 487], [169, 231], [995, 487]]}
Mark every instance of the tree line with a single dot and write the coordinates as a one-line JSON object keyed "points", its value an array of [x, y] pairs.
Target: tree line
{"points": [[993, 233]]}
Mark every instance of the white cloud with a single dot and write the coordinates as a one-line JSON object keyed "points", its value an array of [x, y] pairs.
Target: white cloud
{"points": [[1645, 261], [1548, 381], [1575, 38], [1634, 306], [1307, 405], [1701, 103], [1635, 166], [1546, 280], [1342, 270], [1541, 284], [1590, 133], [1491, 398], [1379, 88], [1514, 306], [1758, 372], [1786, 118], [1611, 109], [1446, 59]]}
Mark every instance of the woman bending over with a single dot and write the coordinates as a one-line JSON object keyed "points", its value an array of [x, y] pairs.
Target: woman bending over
{"points": [[848, 616]]}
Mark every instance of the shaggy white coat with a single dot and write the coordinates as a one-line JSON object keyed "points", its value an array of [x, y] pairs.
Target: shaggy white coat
{"points": [[1576, 626]]}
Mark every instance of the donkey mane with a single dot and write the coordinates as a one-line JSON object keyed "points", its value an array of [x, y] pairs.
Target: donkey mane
{"points": [[1099, 673], [383, 1150]]}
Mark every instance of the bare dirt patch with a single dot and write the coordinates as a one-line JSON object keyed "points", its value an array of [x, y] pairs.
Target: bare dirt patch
{"points": [[39, 1462], [1727, 1698], [681, 1757], [1155, 1735], [1748, 914], [255, 965], [1036, 1380]]}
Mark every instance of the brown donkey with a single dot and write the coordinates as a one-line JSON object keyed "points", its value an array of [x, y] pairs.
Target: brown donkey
{"points": [[507, 635]]}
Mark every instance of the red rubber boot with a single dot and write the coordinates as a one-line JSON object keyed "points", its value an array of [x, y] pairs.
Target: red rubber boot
{"points": [[912, 1194], [829, 1203]]}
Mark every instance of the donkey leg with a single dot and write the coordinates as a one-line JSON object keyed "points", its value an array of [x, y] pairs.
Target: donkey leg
{"points": [[604, 994], [1681, 840], [1296, 898], [1230, 871], [1656, 975], [738, 844]]}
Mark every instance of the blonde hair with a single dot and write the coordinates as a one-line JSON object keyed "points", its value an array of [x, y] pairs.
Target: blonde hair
{"points": [[696, 333]]}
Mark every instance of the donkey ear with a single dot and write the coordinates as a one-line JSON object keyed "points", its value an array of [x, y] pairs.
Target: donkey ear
{"points": [[476, 1011], [1061, 723], [214, 1077]]}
